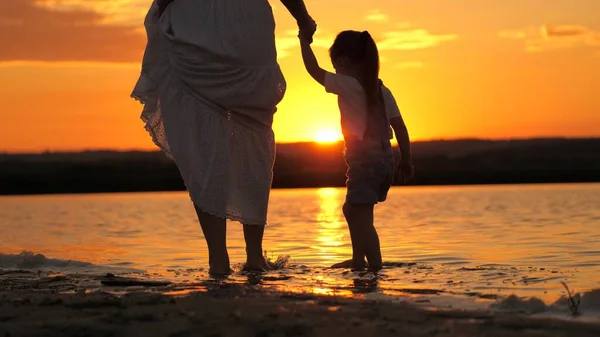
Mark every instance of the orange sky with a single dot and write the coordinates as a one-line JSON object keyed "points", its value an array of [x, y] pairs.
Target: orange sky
{"points": [[458, 68]]}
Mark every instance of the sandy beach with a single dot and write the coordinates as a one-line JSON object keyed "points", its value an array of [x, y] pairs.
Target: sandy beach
{"points": [[47, 306]]}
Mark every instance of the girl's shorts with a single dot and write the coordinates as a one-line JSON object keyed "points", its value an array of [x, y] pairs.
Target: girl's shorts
{"points": [[368, 182]]}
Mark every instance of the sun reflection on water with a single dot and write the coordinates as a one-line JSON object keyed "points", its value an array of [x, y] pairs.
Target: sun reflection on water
{"points": [[330, 239]]}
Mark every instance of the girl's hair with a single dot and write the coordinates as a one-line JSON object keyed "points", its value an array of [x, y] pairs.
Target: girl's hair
{"points": [[360, 48]]}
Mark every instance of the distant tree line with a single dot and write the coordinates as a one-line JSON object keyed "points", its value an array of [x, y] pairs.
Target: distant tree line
{"points": [[311, 165]]}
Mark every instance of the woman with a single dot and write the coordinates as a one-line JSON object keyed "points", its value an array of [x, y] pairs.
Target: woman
{"points": [[210, 84]]}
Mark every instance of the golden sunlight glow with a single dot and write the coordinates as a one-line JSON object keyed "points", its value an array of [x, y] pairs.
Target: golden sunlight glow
{"points": [[327, 136], [451, 54], [330, 234], [327, 193]]}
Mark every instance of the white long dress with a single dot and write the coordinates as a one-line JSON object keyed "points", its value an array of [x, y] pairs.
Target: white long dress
{"points": [[210, 84]]}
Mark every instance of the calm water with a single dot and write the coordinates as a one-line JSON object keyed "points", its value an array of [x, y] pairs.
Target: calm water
{"points": [[465, 241]]}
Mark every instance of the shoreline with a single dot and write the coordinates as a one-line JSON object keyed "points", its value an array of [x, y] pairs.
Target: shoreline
{"points": [[226, 310], [33, 304]]}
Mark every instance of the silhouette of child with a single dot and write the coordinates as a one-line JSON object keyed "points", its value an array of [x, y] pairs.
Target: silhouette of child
{"points": [[368, 109]]}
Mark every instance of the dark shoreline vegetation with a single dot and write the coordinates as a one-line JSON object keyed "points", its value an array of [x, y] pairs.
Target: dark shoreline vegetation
{"points": [[305, 165]]}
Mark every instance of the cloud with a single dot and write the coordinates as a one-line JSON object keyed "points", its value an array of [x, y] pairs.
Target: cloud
{"points": [[289, 40], [65, 31], [403, 25], [412, 39], [513, 34], [68, 64], [376, 16], [408, 39], [552, 37], [410, 65], [128, 12], [562, 31]]}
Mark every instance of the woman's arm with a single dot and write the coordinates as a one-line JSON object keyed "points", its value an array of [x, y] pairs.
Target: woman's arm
{"points": [[162, 5], [298, 10], [310, 61]]}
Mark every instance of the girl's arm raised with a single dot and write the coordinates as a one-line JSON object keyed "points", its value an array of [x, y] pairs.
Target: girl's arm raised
{"points": [[310, 61]]}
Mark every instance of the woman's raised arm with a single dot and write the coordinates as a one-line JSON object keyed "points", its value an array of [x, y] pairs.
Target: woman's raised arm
{"points": [[162, 5], [305, 22]]}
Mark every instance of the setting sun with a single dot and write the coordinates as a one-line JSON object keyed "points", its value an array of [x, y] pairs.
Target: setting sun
{"points": [[327, 136], [545, 61]]}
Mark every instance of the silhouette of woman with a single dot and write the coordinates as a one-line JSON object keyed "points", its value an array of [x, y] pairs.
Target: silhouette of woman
{"points": [[210, 84]]}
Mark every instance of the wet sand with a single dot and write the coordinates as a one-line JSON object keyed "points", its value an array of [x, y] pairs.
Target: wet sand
{"points": [[37, 308]]}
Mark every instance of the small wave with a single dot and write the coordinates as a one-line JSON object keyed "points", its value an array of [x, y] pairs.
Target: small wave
{"points": [[282, 262], [27, 260], [589, 303], [515, 304], [476, 268], [31, 260]]}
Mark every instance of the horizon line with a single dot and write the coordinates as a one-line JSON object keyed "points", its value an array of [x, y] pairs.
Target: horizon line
{"points": [[324, 144]]}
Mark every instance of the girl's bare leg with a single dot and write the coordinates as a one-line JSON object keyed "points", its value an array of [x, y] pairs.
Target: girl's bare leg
{"points": [[365, 240]]}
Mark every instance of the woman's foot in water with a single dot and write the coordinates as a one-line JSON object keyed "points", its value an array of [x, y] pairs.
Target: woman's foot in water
{"points": [[219, 264], [257, 264], [350, 264], [255, 260]]}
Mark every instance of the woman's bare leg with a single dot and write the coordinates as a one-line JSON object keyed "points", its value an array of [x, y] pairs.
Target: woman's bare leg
{"points": [[255, 260], [215, 233]]}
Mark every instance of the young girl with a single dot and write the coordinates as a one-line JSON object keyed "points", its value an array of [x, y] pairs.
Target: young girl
{"points": [[368, 109]]}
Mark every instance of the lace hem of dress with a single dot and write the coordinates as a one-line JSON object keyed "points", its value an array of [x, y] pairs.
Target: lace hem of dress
{"points": [[148, 128], [146, 100]]}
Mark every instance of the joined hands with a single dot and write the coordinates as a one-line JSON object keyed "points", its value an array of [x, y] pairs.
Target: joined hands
{"points": [[307, 27]]}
